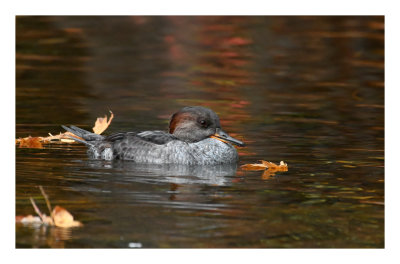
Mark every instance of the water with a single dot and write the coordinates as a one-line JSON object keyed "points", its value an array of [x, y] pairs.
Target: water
{"points": [[306, 90]]}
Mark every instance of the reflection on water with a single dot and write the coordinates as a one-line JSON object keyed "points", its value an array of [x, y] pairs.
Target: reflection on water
{"points": [[173, 173], [306, 90], [44, 236]]}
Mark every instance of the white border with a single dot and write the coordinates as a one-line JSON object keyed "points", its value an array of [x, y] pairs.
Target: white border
{"points": [[206, 7]]}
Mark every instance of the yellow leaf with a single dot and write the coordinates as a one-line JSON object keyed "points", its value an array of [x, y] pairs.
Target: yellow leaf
{"points": [[101, 124]]}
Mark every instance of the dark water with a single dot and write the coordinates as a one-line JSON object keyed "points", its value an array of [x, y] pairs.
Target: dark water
{"points": [[306, 90]]}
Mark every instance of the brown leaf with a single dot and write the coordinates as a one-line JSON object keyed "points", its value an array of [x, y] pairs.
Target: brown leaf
{"points": [[62, 218], [101, 124], [30, 142], [265, 165], [269, 168], [267, 174], [254, 166], [273, 167], [37, 142]]}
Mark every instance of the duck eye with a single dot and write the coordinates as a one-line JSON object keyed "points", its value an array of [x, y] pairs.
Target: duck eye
{"points": [[203, 123]]}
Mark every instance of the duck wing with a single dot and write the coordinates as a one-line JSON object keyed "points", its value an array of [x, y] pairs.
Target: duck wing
{"points": [[142, 147], [156, 137]]}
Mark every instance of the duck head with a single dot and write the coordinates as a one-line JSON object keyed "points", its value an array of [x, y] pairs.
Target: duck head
{"points": [[196, 123]]}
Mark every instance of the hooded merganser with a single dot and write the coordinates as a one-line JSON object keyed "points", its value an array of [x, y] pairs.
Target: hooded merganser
{"points": [[195, 138]]}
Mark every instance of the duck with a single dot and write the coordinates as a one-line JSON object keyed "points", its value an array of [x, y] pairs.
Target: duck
{"points": [[195, 137]]}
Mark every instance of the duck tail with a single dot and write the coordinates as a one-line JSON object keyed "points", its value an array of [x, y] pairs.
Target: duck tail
{"points": [[87, 136]]}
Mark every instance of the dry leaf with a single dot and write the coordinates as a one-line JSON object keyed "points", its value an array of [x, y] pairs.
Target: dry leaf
{"points": [[273, 168], [269, 168], [265, 165], [30, 142], [62, 218], [267, 174], [254, 166], [102, 124], [37, 142]]}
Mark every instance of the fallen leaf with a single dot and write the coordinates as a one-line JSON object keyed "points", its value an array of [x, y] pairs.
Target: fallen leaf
{"points": [[254, 166], [269, 168], [102, 124], [265, 165], [30, 142], [267, 174], [62, 218], [272, 166]]}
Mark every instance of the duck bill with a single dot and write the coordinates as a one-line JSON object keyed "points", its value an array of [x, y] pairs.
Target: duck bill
{"points": [[224, 137]]}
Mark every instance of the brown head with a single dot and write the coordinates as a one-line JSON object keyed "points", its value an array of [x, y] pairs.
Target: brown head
{"points": [[195, 123]]}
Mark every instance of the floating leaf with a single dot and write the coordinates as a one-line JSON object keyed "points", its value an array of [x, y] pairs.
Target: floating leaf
{"points": [[265, 165], [30, 142], [272, 166], [62, 218], [269, 168], [101, 124], [254, 166]]}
